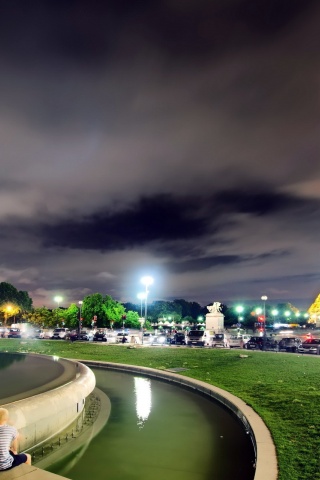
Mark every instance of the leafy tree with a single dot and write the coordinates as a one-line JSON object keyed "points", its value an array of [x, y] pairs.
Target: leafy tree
{"points": [[132, 306], [12, 301], [71, 315], [114, 311], [24, 301], [42, 316], [106, 309], [132, 319], [92, 306]]}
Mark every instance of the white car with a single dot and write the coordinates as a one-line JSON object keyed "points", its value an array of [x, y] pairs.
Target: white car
{"points": [[235, 341], [60, 333], [245, 339], [45, 333]]}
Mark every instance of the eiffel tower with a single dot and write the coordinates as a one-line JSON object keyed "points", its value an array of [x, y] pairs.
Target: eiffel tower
{"points": [[314, 312]]}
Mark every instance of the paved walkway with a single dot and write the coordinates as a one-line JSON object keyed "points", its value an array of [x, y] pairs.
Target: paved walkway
{"points": [[27, 472]]}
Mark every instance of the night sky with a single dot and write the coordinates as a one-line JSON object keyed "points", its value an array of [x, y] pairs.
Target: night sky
{"points": [[176, 138]]}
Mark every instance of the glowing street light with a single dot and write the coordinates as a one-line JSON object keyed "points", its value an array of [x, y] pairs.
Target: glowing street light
{"points": [[274, 313], [146, 281], [239, 309], [264, 298], [200, 319], [58, 299]]}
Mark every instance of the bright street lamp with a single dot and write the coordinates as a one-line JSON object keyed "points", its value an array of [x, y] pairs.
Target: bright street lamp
{"points": [[239, 309], [146, 281], [264, 298], [58, 299], [274, 313]]}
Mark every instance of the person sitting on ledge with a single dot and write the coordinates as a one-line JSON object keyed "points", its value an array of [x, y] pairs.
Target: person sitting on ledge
{"points": [[9, 456]]}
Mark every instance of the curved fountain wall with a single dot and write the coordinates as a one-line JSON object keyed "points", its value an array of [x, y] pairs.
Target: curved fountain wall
{"points": [[43, 415]]}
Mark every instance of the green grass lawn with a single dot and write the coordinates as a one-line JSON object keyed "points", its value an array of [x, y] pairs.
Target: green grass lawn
{"points": [[282, 388]]}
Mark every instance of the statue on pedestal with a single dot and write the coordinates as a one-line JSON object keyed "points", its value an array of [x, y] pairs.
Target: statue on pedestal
{"points": [[215, 318], [215, 308]]}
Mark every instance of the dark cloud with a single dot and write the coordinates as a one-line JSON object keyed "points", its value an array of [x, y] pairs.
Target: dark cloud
{"points": [[206, 263], [167, 219], [160, 218], [93, 32]]}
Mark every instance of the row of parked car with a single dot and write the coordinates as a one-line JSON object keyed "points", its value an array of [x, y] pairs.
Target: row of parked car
{"points": [[287, 344]]}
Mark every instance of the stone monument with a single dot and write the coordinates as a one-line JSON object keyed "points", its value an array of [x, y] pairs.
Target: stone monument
{"points": [[215, 318]]}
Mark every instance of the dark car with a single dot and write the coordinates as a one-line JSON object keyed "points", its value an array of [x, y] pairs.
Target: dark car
{"points": [[312, 345], [14, 333], [178, 339], [289, 344], [262, 343], [99, 337], [82, 336]]}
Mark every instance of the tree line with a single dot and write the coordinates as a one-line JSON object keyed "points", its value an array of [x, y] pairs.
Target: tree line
{"points": [[103, 311]]}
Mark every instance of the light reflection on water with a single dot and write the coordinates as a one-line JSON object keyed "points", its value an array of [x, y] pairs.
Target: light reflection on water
{"points": [[142, 390], [184, 436]]}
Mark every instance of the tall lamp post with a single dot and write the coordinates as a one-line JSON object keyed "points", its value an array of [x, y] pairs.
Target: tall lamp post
{"points": [[239, 310], [141, 296], [274, 314], [58, 299], [80, 319], [264, 298], [146, 281]]}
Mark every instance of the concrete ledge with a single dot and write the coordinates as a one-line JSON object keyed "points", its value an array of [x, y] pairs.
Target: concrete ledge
{"points": [[266, 458], [79, 445], [41, 416], [29, 472]]}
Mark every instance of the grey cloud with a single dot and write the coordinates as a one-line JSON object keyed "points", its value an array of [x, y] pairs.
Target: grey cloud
{"points": [[205, 263]]}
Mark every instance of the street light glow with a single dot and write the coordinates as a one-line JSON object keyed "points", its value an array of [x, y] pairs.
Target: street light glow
{"points": [[58, 299], [141, 296], [239, 309], [147, 281]]}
